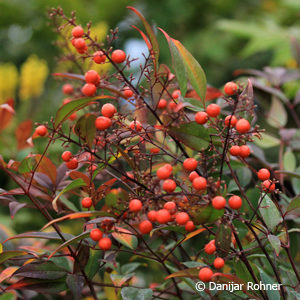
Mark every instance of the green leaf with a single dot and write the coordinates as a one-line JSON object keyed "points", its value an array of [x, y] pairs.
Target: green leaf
{"points": [[294, 206], [270, 212], [73, 185], [125, 237], [40, 235], [75, 284], [289, 161], [5, 255], [205, 214], [27, 165], [129, 268], [93, 264], [275, 242], [272, 294], [85, 128], [296, 182], [191, 273], [244, 175], [177, 229], [130, 293], [266, 141], [277, 116], [223, 239]]}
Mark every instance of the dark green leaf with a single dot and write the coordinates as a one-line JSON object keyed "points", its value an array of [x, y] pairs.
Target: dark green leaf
{"points": [[294, 205], [275, 242], [272, 293], [129, 293], [270, 212], [223, 239], [85, 128], [75, 283]]}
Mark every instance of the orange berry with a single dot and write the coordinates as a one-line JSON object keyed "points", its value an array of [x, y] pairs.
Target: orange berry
{"points": [[169, 167], [67, 100], [170, 206], [268, 186], [182, 218], [235, 202], [244, 151], [242, 126], [213, 110], [235, 150], [108, 110], [89, 89], [68, 89], [210, 248], [66, 156], [92, 76], [189, 226], [199, 183], [176, 94], [96, 234], [205, 274], [86, 202], [152, 215], [102, 123], [263, 174], [230, 88], [41, 130], [172, 106], [219, 263], [201, 117], [77, 32], [72, 164], [145, 227], [73, 116], [79, 44], [163, 216], [135, 205], [105, 243], [154, 150], [232, 119], [127, 92], [136, 125], [169, 185], [162, 103], [193, 175], [99, 57], [190, 164], [218, 202], [118, 56], [163, 172]]}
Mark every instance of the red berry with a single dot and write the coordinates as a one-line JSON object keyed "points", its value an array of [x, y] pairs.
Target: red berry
{"points": [[108, 110], [92, 76], [169, 167], [41, 130], [169, 185], [127, 92], [105, 243], [182, 218], [201, 117], [218, 202], [96, 234], [172, 106], [73, 116], [193, 175], [89, 89], [154, 150], [190, 164], [176, 94], [210, 248], [219, 263], [162, 103], [86, 202], [152, 215], [68, 89], [163, 173], [189, 226], [72, 164], [199, 183], [235, 202], [79, 44], [135, 205], [77, 32], [163, 216], [235, 150], [242, 126], [244, 151], [213, 110], [99, 57], [230, 88], [170, 206], [205, 274], [67, 100], [102, 123], [263, 174], [118, 56], [232, 119], [66, 156], [268, 186], [136, 125], [145, 227]]}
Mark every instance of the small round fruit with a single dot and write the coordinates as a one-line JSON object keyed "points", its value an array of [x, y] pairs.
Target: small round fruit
{"points": [[108, 110], [127, 92], [105, 243], [79, 44], [190, 164], [172, 106], [77, 32], [263, 174], [145, 227], [235, 150], [118, 56], [232, 119], [218, 202], [162, 103], [154, 150], [163, 216], [86, 202], [176, 94], [193, 175], [163, 173], [201, 117], [170, 206], [103, 123], [41, 130], [199, 183], [189, 226], [244, 151], [72, 164], [89, 89], [135, 205], [219, 263], [182, 218], [169, 167], [169, 185], [96, 234], [136, 125], [230, 88], [152, 215], [68, 89], [99, 57], [205, 274], [235, 202], [213, 110], [92, 76], [268, 186], [210, 248], [67, 100], [73, 116], [242, 126], [66, 156]]}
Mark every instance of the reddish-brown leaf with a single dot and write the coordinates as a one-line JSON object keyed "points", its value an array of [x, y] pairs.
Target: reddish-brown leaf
{"points": [[6, 113], [23, 132]]}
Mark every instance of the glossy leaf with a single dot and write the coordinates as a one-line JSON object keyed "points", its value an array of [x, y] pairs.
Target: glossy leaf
{"points": [[85, 128], [194, 233], [270, 212], [294, 206], [93, 263], [266, 279], [275, 242], [130, 293], [266, 141], [277, 115], [6, 273], [289, 161], [125, 237]]}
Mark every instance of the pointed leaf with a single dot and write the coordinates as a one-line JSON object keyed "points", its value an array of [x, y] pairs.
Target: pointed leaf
{"points": [[6, 273], [294, 205], [275, 242], [194, 233], [272, 293], [85, 128], [5, 255], [75, 283], [191, 273], [270, 212], [125, 237]]}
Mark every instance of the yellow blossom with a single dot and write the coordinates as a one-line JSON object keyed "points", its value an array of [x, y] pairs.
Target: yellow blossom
{"points": [[8, 81]]}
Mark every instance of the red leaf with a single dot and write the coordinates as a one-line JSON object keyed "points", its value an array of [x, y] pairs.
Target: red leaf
{"points": [[6, 113], [23, 132]]}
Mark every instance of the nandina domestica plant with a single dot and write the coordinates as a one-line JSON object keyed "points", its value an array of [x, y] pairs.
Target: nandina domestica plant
{"points": [[158, 182]]}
